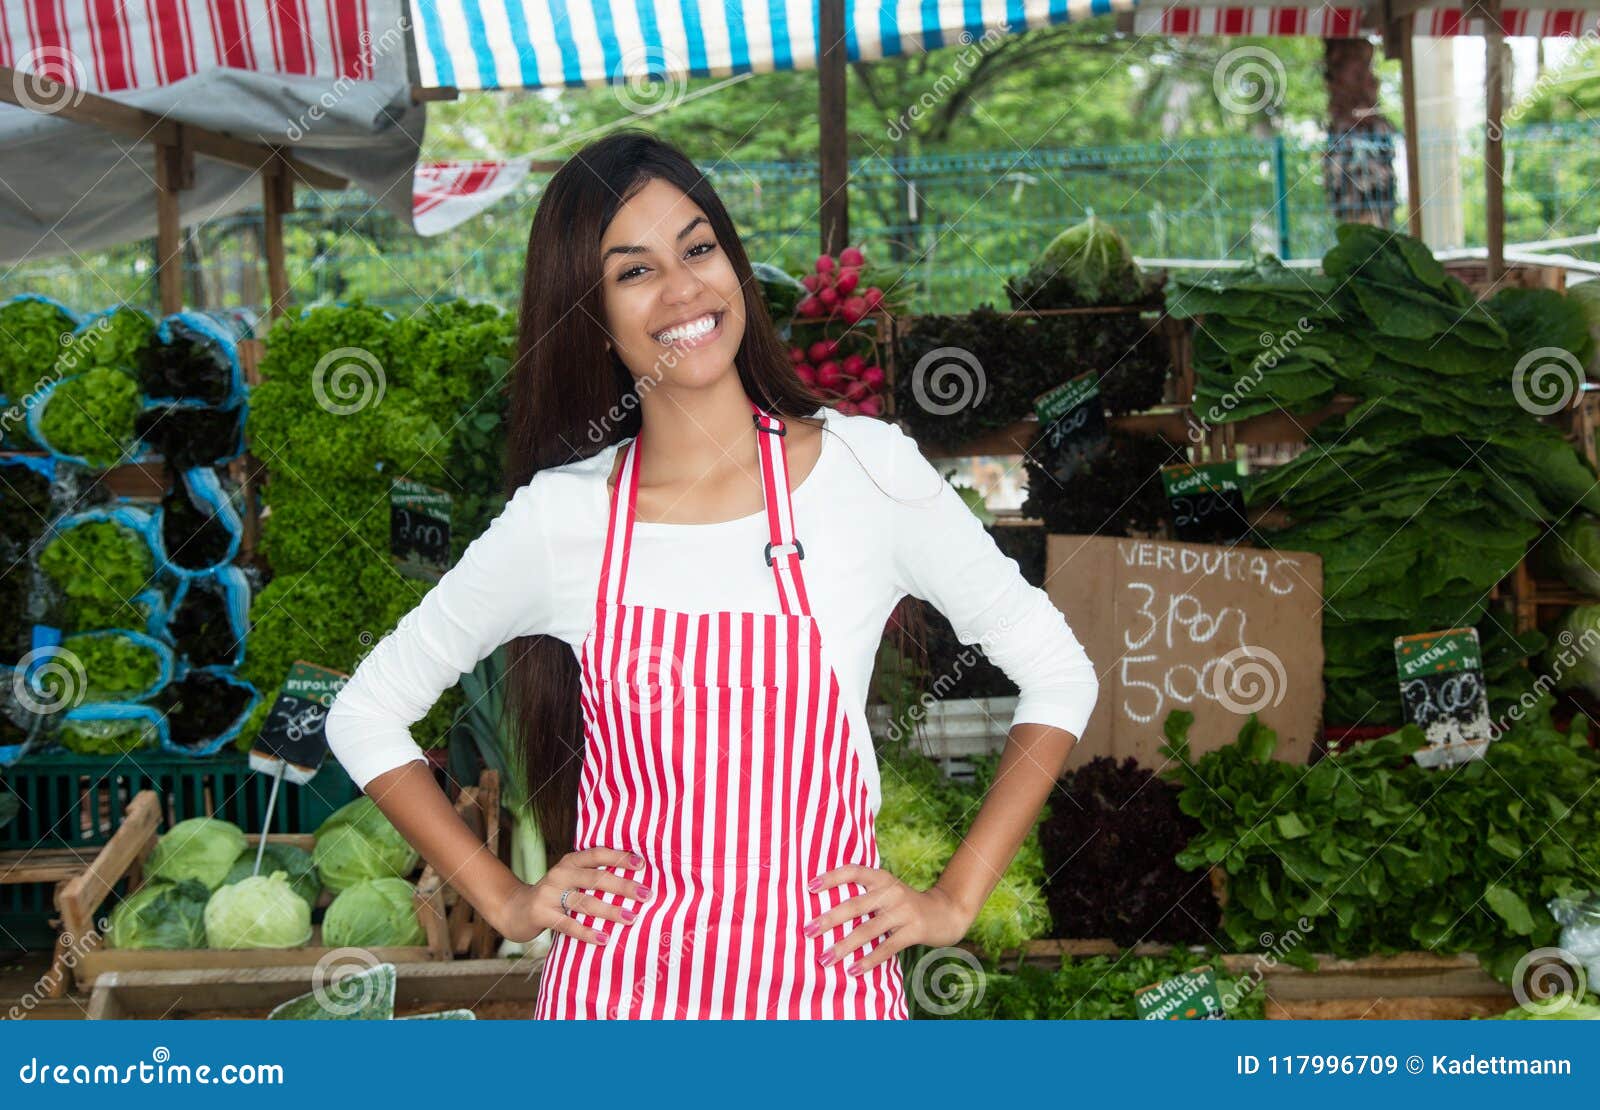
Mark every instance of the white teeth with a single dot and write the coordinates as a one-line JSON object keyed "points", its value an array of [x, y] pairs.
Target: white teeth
{"points": [[691, 330]]}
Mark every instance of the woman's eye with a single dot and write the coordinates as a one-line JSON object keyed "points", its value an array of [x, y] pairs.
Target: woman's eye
{"points": [[694, 252]]}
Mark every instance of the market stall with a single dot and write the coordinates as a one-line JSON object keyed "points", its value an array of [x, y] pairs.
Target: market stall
{"points": [[1264, 471]]}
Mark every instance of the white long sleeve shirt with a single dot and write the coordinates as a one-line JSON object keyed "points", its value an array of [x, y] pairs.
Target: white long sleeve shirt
{"points": [[536, 569]]}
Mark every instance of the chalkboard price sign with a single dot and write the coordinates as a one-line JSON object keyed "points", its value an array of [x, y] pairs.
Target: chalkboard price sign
{"points": [[1075, 424], [419, 529], [1189, 996], [1207, 501], [293, 732], [1443, 691]]}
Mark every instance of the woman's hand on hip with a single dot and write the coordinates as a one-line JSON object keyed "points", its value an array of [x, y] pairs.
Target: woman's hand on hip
{"points": [[534, 907], [900, 914]]}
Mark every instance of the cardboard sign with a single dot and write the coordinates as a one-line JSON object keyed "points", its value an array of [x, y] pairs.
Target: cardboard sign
{"points": [[1207, 501], [1442, 689], [293, 734], [1075, 425], [1194, 995], [419, 529], [1219, 631]]}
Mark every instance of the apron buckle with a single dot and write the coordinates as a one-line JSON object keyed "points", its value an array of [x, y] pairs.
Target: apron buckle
{"points": [[776, 428], [797, 549]]}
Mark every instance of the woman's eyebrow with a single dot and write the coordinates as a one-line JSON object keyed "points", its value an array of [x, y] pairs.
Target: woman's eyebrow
{"points": [[688, 227]]}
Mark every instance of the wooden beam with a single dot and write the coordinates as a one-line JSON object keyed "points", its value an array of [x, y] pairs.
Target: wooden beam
{"points": [[1404, 29], [277, 199], [1400, 9], [833, 148], [421, 95], [93, 110], [1494, 156], [171, 176]]}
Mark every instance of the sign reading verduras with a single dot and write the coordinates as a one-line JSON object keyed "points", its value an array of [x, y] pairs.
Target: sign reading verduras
{"points": [[1219, 631]]}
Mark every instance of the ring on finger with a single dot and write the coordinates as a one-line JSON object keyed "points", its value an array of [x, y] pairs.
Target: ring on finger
{"points": [[564, 907]]}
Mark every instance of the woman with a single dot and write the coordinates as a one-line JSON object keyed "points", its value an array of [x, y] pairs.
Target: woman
{"points": [[695, 564]]}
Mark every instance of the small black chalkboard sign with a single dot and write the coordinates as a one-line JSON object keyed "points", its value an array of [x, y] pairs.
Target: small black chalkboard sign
{"points": [[1074, 423], [419, 529], [1442, 690], [1207, 502], [293, 734]]}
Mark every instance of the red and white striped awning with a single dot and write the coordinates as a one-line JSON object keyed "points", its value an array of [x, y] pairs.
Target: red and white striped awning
{"points": [[326, 78], [1332, 21], [112, 46], [1323, 21]]}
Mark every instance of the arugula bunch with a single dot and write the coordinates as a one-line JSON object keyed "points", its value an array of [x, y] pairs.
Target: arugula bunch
{"points": [[1090, 988], [99, 566], [1432, 488], [1382, 855]]}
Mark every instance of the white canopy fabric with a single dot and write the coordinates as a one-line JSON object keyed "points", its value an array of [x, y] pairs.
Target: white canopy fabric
{"points": [[327, 80], [1558, 19]]}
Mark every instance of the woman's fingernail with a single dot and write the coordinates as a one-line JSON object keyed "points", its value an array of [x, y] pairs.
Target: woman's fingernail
{"points": [[627, 916], [642, 893], [636, 859], [599, 937], [811, 929], [827, 958], [814, 885], [853, 969]]}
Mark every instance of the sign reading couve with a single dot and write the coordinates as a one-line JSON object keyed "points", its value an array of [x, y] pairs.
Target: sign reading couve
{"points": [[1222, 632]]}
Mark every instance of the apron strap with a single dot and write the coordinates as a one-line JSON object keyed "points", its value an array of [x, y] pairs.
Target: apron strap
{"points": [[784, 551], [619, 531]]}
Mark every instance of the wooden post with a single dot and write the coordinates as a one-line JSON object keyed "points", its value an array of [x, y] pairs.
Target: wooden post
{"points": [[277, 189], [1408, 98], [833, 151], [174, 171], [1493, 152]]}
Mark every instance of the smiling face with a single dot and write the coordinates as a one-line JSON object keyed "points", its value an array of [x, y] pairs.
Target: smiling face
{"points": [[674, 306]]}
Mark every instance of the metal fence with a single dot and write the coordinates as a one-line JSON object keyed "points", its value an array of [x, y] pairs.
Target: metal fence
{"points": [[952, 227]]}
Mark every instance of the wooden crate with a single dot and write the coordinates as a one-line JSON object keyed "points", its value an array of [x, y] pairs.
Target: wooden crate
{"points": [[453, 927], [1412, 985], [475, 984]]}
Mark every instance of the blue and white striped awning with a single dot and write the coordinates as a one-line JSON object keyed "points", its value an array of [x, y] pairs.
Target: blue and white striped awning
{"points": [[505, 44]]}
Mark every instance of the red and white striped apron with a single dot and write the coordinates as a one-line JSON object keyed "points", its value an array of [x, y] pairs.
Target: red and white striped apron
{"points": [[716, 746]]}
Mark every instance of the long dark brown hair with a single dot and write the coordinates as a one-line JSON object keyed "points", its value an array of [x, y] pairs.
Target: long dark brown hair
{"points": [[571, 398]]}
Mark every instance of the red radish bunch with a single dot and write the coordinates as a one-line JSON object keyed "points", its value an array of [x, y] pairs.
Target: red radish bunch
{"points": [[848, 382], [835, 289]]}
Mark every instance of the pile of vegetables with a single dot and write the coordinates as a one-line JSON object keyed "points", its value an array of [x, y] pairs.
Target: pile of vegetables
{"points": [[1119, 493], [919, 826], [1009, 360], [350, 398], [1088, 264], [115, 666], [24, 510], [1431, 489], [1382, 855], [200, 890], [99, 566], [1111, 842], [1085, 988], [36, 330], [92, 416]]}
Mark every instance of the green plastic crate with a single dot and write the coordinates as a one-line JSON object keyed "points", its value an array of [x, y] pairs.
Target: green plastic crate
{"points": [[69, 800]]}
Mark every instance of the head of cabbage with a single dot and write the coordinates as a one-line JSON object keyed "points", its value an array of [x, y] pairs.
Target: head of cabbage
{"points": [[201, 848], [356, 843], [377, 913], [262, 911], [295, 862], [161, 915]]}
